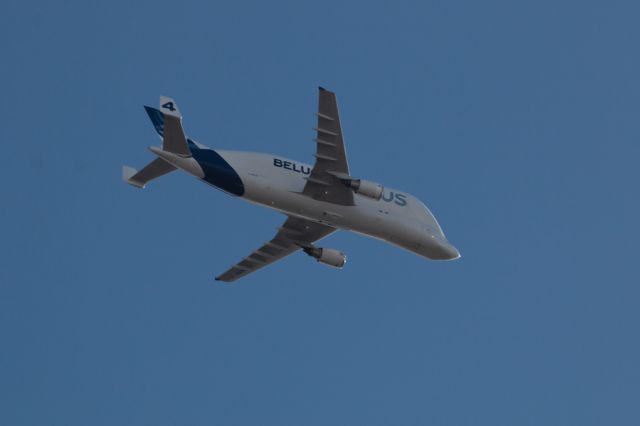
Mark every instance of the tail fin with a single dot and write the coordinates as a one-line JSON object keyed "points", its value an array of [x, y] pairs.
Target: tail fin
{"points": [[174, 139], [168, 123]]}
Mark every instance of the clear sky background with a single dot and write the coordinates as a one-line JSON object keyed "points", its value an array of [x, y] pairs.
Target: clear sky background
{"points": [[518, 124]]}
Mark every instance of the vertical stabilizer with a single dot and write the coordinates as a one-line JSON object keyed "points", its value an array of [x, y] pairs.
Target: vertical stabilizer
{"points": [[174, 140]]}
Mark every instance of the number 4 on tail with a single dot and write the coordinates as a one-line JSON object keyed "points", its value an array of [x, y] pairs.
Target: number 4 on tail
{"points": [[169, 106]]}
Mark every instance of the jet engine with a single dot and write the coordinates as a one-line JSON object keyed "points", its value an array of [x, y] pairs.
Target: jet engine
{"points": [[366, 188], [328, 256]]}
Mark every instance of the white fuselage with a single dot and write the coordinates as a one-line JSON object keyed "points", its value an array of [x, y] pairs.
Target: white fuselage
{"points": [[277, 183]]}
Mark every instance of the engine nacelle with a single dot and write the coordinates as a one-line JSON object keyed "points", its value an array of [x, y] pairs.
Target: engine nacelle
{"points": [[331, 257], [366, 188]]}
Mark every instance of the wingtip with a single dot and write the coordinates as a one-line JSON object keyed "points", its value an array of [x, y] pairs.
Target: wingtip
{"points": [[127, 176]]}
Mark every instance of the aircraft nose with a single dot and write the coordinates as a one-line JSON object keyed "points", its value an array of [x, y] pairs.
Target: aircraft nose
{"points": [[446, 251]]}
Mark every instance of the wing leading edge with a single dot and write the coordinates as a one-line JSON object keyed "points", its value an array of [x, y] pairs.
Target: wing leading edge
{"points": [[331, 156], [322, 184], [294, 234]]}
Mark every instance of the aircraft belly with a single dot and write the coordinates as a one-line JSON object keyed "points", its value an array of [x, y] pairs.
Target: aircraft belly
{"points": [[351, 218], [281, 190]]}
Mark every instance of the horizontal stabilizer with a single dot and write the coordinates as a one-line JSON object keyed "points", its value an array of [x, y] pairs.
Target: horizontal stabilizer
{"points": [[153, 170], [127, 175]]}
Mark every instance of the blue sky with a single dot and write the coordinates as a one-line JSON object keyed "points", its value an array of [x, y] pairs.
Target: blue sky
{"points": [[516, 122]]}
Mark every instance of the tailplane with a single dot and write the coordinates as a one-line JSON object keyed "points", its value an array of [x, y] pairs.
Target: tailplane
{"points": [[168, 124], [153, 170]]}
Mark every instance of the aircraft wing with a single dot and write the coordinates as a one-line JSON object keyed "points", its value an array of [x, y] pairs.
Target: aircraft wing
{"points": [[331, 157], [294, 234]]}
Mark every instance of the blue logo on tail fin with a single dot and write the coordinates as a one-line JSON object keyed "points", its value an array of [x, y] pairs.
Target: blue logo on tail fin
{"points": [[157, 119]]}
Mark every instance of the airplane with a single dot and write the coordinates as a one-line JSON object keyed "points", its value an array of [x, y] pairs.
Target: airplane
{"points": [[317, 199]]}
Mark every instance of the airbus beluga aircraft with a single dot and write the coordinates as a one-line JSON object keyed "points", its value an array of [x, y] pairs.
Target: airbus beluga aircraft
{"points": [[317, 200]]}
